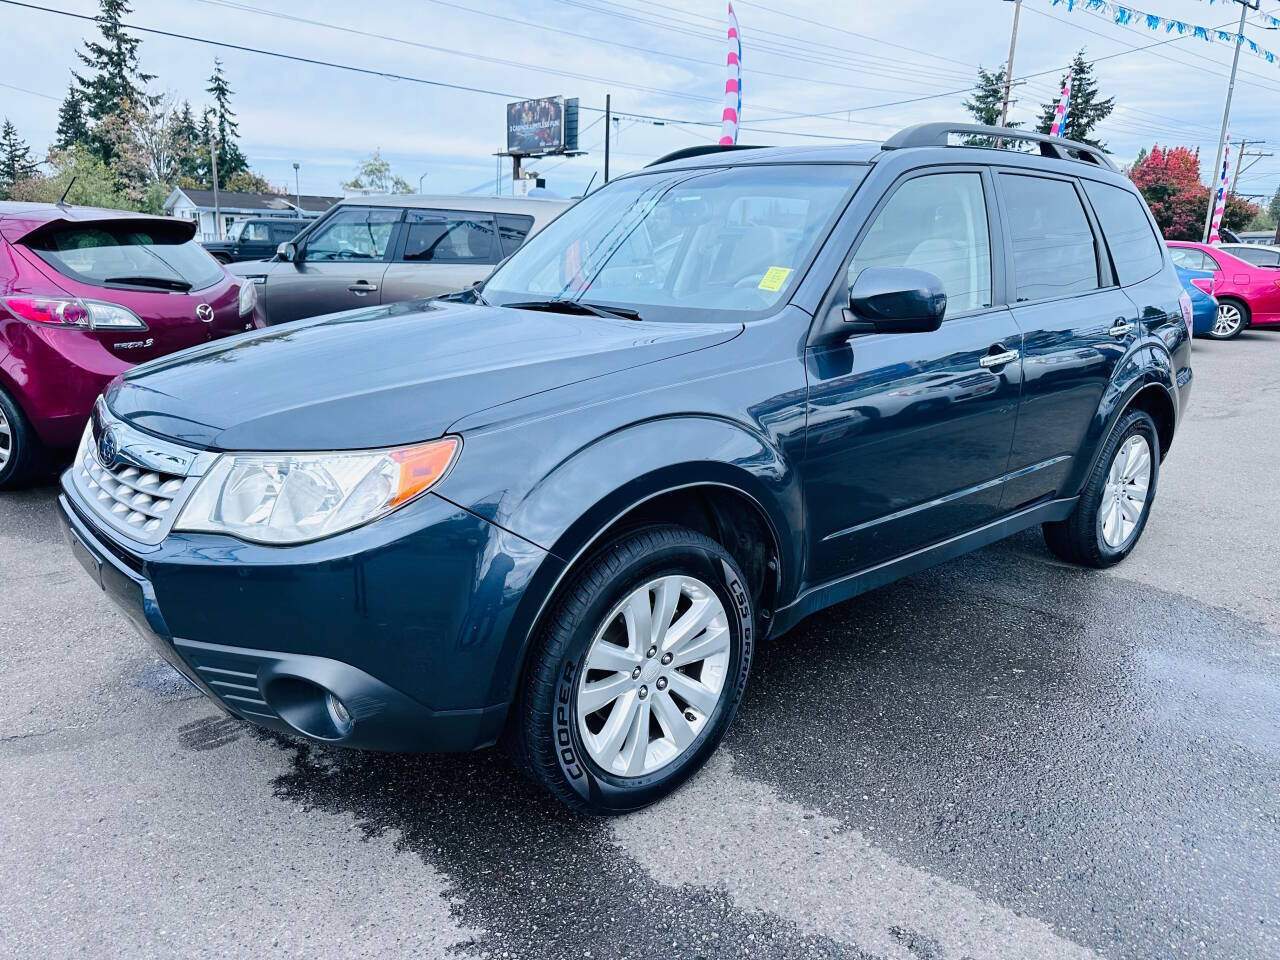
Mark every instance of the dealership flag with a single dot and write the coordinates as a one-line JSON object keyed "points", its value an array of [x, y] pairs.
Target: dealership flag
{"points": [[1220, 200], [732, 85], [1059, 128]]}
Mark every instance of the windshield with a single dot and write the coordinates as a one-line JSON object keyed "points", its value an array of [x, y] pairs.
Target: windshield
{"points": [[101, 253], [683, 244]]}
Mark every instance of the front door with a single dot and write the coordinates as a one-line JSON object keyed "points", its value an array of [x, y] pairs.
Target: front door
{"points": [[909, 434], [1077, 325], [341, 266]]}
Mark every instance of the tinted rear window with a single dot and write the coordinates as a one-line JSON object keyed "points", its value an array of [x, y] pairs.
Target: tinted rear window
{"points": [[1128, 233], [1054, 254], [123, 254], [513, 228]]}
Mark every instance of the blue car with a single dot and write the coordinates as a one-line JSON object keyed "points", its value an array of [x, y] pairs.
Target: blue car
{"points": [[709, 399], [1204, 307]]}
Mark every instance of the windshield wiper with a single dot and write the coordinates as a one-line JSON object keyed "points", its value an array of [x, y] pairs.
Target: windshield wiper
{"points": [[576, 306], [162, 283]]}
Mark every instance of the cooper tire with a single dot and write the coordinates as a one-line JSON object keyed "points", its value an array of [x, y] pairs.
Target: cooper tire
{"points": [[546, 736], [1080, 539], [20, 448]]}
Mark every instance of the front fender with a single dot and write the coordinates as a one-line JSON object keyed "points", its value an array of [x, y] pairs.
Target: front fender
{"points": [[567, 509]]}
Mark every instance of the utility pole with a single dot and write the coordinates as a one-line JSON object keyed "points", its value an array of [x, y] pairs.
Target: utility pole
{"points": [[608, 129], [217, 207], [1254, 157], [1008, 70], [1245, 7]]}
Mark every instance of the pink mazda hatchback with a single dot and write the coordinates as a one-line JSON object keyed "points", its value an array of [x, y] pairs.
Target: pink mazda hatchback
{"points": [[84, 295], [1248, 295]]}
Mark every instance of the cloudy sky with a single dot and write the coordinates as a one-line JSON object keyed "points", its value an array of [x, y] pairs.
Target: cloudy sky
{"points": [[857, 61]]}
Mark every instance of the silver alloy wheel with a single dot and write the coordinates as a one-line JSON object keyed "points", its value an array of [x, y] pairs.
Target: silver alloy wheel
{"points": [[6, 439], [1228, 321], [1125, 493], [653, 675]]}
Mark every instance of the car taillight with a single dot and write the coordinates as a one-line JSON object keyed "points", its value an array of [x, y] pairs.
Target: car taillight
{"points": [[1184, 301], [1203, 283], [71, 312]]}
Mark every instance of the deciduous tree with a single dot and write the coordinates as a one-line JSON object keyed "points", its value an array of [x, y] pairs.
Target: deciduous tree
{"points": [[1169, 179], [374, 176]]}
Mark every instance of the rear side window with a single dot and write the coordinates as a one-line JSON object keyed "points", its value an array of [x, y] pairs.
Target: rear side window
{"points": [[1189, 259], [512, 230], [1259, 256], [936, 223], [283, 232], [1135, 250], [450, 237], [124, 254], [1054, 254]]}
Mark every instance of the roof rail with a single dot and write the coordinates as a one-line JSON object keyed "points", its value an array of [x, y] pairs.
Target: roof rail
{"points": [[701, 150], [937, 134]]}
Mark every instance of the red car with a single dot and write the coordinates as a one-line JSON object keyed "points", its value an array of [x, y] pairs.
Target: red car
{"points": [[1248, 295], [84, 295]]}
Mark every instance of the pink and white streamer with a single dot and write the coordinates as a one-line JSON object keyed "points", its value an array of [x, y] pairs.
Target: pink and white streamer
{"points": [[1220, 199], [732, 85], [1064, 104]]}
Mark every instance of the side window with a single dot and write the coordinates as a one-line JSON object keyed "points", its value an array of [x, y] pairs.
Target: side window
{"points": [[353, 233], [1054, 254], [1187, 258], [450, 237], [936, 223], [1133, 244], [255, 230], [512, 229], [283, 232]]}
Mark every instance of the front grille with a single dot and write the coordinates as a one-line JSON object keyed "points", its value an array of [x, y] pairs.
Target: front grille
{"points": [[136, 501]]}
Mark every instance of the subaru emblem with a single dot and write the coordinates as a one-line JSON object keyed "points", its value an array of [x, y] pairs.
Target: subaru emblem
{"points": [[205, 313], [107, 448]]}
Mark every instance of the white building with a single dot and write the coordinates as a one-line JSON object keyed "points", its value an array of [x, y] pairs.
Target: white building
{"points": [[198, 205]]}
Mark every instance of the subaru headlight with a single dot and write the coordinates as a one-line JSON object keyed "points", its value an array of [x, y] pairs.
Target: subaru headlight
{"points": [[285, 498], [248, 296]]}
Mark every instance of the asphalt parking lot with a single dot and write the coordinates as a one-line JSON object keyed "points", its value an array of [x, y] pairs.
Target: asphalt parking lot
{"points": [[1002, 757]]}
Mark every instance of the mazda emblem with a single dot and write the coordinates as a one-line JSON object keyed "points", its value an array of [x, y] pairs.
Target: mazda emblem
{"points": [[205, 313], [108, 449]]}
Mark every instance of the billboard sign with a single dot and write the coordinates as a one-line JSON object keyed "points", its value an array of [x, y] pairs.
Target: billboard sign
{"points": [[537, 127]]}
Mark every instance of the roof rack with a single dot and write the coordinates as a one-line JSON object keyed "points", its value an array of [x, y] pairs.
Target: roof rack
{"points": [[937, 135], [702, 150]]}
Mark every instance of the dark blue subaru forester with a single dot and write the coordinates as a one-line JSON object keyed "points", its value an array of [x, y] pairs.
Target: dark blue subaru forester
{"points": [[711, 398]]}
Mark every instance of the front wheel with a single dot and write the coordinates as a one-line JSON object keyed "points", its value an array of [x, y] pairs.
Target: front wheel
{"points": [[1112, 510], [1232, 317], [637, 673]]}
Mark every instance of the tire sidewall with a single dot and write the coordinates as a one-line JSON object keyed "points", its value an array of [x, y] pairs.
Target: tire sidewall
{"points": [[1243, 309], [1137, 423], [605, 792], [14, 471]]}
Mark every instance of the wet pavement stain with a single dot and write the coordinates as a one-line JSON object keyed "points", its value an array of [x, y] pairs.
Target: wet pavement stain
{"points": [[536, 879], [1056, 740], [210, 733]]}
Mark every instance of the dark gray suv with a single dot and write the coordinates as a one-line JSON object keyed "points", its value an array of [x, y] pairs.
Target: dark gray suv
{"points": [[371, 250]]}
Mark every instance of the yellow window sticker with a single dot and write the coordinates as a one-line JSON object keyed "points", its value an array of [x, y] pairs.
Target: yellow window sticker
{"points": [[774, 278]]}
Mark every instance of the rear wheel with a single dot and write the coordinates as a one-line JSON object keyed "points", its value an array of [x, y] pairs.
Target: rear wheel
{"points": [[1232, 317], [637, 673], [20, 451], [1112, 511]]}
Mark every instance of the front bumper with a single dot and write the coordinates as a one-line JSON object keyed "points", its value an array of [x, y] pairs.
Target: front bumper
{"points": [[408, 621]]}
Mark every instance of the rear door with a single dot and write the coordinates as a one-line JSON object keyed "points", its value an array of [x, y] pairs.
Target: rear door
{"points": [[341, 265], [1076, 323], [443, 251]]}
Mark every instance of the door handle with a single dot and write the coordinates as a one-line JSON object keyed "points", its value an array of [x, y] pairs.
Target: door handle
{"points": [[363, 286], [999, 359], [1120, 328]]}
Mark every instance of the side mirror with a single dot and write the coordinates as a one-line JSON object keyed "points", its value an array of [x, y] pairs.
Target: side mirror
{"points": [[288, 251], [895, 300]]}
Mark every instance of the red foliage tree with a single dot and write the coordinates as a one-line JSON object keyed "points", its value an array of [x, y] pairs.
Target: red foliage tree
{"points": [[1169, 179]]}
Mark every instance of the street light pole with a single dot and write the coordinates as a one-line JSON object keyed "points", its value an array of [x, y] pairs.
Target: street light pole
{"points": [[1008, 70], [420, 179], [1245, 7], [297, 187]]}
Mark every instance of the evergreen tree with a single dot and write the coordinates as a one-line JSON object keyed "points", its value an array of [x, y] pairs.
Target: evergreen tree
{"points": [[1086, 109], [186, 144], [16, 162], [986, 104], [230, 160], [114, 78], [73, 128]]}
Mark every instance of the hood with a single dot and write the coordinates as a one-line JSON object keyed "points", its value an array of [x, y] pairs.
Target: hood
{"points": [[382, 377]]}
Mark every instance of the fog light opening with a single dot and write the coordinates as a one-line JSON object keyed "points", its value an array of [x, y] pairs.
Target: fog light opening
{"points": [[339, 714]]}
